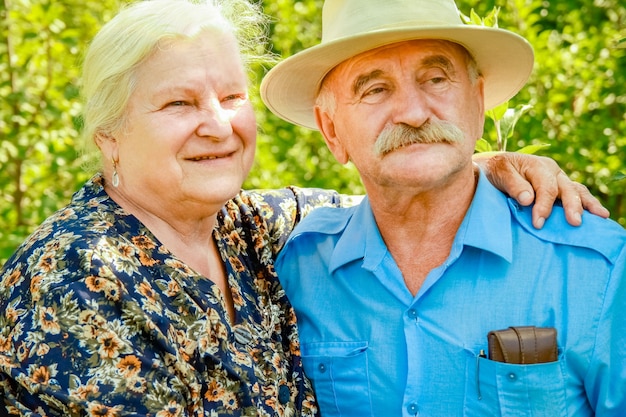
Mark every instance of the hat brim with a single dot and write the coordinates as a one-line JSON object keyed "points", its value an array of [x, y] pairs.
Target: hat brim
{"points": [[290, 88]]}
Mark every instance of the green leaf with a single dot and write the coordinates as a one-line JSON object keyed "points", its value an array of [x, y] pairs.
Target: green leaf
{"points": [[510, 119], [498, 112], [483, 146], [533, 149]]}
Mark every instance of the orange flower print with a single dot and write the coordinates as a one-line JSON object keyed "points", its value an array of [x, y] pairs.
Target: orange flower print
{"points": [[66, 214], [5, 343], [12, 279], [236, 263], [146, 290], [95, 283], [147, 260], [99, 410], [112, 292], [85, 391], [47, 262], [22, 351], [173, 289], [238, 242], [137, 385], [110, 345], [39, 375], [151, 301], [35, 285], [126, 250], [215, 391], [42, 349], [109, 287], [143, 242], [129, 366], [48, 320], [87, 316], [237, 298], [230, 401], [172, 410], [11, 314]]}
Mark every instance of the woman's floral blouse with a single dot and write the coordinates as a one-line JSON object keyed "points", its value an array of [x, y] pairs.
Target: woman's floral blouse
{"points": [[97, 318]]}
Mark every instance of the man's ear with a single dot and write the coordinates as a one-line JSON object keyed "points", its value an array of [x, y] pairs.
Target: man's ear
{"points": [[326, 125], [481, 106]]}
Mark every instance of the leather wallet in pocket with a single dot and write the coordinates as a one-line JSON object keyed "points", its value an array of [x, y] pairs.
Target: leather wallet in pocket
{"points": [[523, 345]]}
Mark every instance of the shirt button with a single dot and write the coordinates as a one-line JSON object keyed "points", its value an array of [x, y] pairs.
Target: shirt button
{"points": [[512, 376], [412, 409], [283, 394], [412, 313], [321, 367]]}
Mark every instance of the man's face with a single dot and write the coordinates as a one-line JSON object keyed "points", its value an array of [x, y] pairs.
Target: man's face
{"points": [[411, 84]]}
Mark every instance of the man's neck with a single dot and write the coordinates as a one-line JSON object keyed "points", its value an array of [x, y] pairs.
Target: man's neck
{"points": [[419, 230]]}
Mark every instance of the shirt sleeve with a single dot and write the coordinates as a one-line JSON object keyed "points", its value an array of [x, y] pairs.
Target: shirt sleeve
{"points": [[605, 381]]}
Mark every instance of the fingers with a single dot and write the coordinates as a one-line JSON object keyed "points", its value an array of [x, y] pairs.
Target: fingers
{"points": [[506, 172], [546, 192], [576, 197], [518, 174]]}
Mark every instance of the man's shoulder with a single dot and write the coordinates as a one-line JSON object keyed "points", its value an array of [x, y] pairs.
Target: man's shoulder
{"points": [[604, 236], [325, 220]]}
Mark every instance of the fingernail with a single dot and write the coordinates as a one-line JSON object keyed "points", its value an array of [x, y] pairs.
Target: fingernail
{"points": [[578, 218], [525, 197], [539, 222]]}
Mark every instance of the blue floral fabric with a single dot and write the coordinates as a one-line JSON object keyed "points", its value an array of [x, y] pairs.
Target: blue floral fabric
{"points": [[97, 317]]}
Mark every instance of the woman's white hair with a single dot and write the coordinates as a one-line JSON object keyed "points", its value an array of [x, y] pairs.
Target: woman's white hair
{"points": [[136, 31]]}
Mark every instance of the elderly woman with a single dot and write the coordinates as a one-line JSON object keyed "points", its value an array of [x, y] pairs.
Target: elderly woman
{"points": [[153, 292]]}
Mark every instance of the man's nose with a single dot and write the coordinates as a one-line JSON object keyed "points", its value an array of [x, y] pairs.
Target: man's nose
{"points": [[411, 107]]}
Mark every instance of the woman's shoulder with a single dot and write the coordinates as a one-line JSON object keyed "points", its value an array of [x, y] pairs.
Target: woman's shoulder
{"points": [[81, 224]]}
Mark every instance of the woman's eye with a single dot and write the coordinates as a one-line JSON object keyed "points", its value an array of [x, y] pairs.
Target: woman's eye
{"points": [[231, 97]]}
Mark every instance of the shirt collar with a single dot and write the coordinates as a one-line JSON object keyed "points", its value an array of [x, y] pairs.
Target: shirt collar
{"points": [[487, 223], [486, 226]]}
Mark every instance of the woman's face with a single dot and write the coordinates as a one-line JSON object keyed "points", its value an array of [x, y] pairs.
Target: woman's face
{"points": [[189, 138]]}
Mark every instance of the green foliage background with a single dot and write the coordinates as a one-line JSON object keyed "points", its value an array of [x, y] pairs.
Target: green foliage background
{"points": [[577, 93]]}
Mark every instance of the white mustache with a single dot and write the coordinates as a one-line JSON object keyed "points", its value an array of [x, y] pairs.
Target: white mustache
{"points": [[397, 136]]}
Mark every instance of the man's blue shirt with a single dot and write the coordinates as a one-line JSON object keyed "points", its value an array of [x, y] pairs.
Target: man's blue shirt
{"points": [[373, 349]]}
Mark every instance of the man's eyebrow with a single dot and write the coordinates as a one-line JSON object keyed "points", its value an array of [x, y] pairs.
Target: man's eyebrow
{"points": [[361, 80], [439, 61]]}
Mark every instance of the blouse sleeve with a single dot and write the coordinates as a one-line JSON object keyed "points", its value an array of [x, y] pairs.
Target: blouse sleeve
{"points": [[282, 209]]}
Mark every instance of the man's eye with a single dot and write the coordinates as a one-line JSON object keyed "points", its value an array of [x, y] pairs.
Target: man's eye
{"points": [[374, 91], [437, 80], [178, 103]]}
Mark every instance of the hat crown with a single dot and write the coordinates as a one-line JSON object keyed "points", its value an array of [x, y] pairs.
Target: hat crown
{"points": [[351, 27], [345, 18]]}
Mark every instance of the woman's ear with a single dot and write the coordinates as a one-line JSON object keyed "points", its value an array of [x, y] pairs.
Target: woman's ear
{"points": [[326, 125], [108, 145]]}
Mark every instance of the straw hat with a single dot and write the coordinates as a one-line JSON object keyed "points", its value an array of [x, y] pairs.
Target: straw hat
{"points": [[350, 27]]}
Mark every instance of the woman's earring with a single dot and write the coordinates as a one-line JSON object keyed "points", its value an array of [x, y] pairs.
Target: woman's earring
{"points": [[115, 179]]}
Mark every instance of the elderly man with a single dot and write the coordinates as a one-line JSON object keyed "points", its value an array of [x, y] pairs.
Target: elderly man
{"points": [[397, 298]]}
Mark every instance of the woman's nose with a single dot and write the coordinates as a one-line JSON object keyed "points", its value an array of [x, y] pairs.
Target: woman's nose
{"points": [[215, 121]]}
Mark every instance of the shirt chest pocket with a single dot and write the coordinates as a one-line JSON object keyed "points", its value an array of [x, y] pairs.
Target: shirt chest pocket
{"points": [[511, 390], [340, 378]]}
